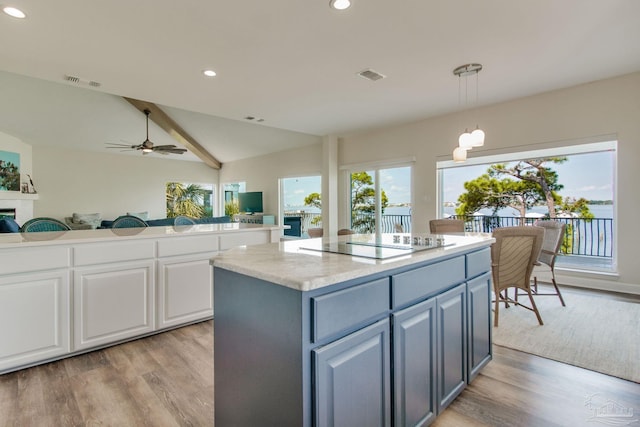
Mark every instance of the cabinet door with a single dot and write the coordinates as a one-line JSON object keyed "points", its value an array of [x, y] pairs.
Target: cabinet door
{"points": [[452, 344], [185, 290], [34, 318], [479, 316], [414, 351], [112, 302], [352, 379]]}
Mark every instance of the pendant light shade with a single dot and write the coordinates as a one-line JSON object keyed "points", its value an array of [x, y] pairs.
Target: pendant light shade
{"points": [[459, 155], [465, 141], [477, 137]]}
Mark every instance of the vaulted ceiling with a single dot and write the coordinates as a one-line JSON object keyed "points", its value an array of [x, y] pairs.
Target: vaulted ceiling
{"points": [[292, 63]]}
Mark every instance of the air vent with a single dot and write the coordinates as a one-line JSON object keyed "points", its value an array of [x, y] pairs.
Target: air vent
{"points": [[371, 75], [78, 80]]}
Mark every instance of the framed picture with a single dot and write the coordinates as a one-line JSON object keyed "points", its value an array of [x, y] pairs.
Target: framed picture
{"points": [[9, 171]]}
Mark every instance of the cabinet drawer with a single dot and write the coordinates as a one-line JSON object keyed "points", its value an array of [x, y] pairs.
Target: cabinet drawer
{"points": [[478, 262], [187, 245], [26, 260], [426, 281], [101, 253], [346, 309]]}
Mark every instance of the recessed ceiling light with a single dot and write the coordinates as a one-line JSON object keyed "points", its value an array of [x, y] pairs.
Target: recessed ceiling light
{"points": [[15, 12], [209, 73], [340, 4]]}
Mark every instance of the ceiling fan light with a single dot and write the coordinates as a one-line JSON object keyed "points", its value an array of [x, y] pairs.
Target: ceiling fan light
{"points": [[147, 150], [459, 155], [340, 4], [477, 137], [465, 141]]}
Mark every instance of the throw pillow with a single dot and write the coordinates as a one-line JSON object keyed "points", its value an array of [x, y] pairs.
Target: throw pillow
{"points": [[92, 219], [9, 225], [142, 215]]}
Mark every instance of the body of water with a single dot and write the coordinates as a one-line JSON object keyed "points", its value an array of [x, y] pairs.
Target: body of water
{"points": [[599, 211]]}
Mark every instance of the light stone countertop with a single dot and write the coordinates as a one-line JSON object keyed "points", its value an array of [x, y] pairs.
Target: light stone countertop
{"points": [[17, 240], [292, 264]]}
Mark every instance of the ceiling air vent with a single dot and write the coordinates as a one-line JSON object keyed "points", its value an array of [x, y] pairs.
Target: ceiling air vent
{"points": [[72, 79], [78, 80], [371, 75]]}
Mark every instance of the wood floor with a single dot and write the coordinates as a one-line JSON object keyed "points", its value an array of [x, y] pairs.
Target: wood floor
{"points": [[167, 380]]}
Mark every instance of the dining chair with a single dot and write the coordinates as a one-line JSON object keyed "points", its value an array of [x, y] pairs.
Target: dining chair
{"points": [[513, 256], [315, 232], [444, 226], [345, 231], [553, 235], [128, 221], [43, 224]]}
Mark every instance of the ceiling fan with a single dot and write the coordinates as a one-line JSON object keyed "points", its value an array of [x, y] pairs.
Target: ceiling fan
{"points": [[147, 146]]}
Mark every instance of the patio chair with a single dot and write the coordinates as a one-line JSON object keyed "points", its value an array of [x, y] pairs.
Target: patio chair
{"points": [[43, 224], [128, 221], [553, 234], [513, 256], [444, 226]]}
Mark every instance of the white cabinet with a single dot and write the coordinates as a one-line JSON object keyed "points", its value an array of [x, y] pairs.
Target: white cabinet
{"points": [[34, 317], [113, 302], [185, 290]]}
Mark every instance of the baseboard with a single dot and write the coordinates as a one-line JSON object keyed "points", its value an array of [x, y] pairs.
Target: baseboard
{"points": [[591, 280]]}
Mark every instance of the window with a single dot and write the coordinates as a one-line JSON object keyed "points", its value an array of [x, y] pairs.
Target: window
{"points": [[581, 181], [301, 197], [230, 193], [190, 199], [380, 199]]}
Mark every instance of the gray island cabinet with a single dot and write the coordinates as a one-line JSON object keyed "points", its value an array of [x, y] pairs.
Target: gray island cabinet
{"points": [[304, 338]]}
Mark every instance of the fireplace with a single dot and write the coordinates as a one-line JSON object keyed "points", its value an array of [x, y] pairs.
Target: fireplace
{"points": [[10, 212]]}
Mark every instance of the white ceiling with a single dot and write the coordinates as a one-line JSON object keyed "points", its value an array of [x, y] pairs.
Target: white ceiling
{"points": [[293, 63]]}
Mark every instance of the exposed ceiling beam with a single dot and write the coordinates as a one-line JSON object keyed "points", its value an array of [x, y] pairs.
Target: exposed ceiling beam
{"points": [[160, 118]]}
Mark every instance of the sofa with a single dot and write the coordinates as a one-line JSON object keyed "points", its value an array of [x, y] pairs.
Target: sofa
{"points": [[162, 222]]}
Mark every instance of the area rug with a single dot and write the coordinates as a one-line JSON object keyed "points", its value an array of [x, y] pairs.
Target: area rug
{"points": [[595, 333]]}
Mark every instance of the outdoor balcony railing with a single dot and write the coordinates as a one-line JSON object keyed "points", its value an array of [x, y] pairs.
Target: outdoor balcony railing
{"points": [[591, 237]]}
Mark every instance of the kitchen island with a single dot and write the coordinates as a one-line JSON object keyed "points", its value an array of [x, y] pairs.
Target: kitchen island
{"points": [[64, 293], [389, 334]]}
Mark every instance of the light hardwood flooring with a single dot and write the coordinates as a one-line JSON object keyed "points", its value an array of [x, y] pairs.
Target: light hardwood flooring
{"points": [[167, 380]]}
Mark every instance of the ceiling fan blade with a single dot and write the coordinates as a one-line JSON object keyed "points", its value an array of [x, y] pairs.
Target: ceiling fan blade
{"points": [[116, 145], [163, 147]]}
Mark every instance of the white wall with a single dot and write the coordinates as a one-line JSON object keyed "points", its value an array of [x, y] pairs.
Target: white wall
{"points": [[80, 181], [262, 173], [558, 118]]}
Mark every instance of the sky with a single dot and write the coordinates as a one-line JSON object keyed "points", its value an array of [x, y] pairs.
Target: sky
{"points": [[588, 175]]}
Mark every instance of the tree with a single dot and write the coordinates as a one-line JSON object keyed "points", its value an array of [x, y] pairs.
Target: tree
{"points": [[534, 171], [314, 200], [363, 202], [527, 184], [580, 206], [185, 200]]}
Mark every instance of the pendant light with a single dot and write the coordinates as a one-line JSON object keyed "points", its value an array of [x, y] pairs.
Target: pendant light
{"points": [[475, 138]]}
